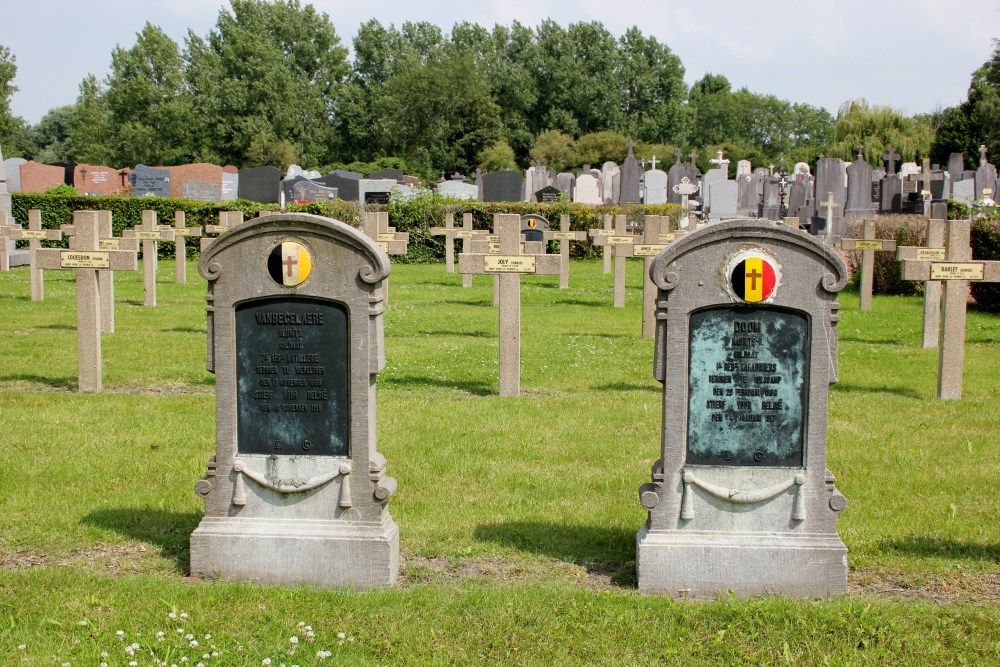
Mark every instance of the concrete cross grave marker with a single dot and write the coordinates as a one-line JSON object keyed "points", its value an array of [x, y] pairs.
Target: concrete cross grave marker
{"points": [[685, 189], [655, 238], [490, 243], [448, 232], [86, 258], [891, 156], [508, 265], [149, 233], [467, 233], [868, 245], [934, 250], [181, 232], [34, 234], [595, 234], [957, 269], [296, 492], [227, 220], [105, 279], [829, 205], [375, 225], [564, 236], [621, 243], [6, 226], [741, 501]]}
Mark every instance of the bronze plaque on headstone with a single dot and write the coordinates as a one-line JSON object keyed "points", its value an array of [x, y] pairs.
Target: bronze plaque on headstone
{"points": [[748, 386], [292, 377]]}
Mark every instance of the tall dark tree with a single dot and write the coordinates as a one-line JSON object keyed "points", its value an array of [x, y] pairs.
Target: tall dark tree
{"points": [[975, 121], [653, 90]]}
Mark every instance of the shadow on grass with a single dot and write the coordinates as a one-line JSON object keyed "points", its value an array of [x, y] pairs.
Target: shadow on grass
{"points": [[170, 531], [477, 303], [186, 330], [581, 302], [873, 341], [453, 334], [60, 327], [475, 388], [933, 546], [625, 386], [905, 392], [55, 383], [602, 551]]}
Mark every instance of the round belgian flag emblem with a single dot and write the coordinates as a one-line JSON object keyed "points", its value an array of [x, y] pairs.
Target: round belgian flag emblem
{"points": [[753, 279], [532, 223], [289, 263]]}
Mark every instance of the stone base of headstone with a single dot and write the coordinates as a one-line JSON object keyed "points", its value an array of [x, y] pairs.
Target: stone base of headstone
{"points": [[19, 258], [333, 554], [707, 566]]}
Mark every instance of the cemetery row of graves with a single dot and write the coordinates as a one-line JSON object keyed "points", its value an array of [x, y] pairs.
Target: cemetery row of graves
{"points": [[725, 345]]}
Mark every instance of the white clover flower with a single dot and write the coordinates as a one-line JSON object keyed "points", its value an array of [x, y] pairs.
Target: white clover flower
{"points": [[184, 614], [208, 636], [265, 662], [180, 631], [21, 647], [172, 615], [293, 640], [341, 635], [189, 636], [120, 633], [184, 658], [302, 624], [104, 664], [136, 645], [104, 654], [194, 643], [350, 639], [133, 663], [84, 622]]}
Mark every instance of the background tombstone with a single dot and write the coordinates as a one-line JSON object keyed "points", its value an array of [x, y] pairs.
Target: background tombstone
{"points": [[296, 492], [375, 190], [387, 174], [744, 168], [306, 190], [724, 200], [565, 182], [200, 181], [458, 190], [741, 499], [892, 186], [230, 188], [746, 196], [798, 193], [859, 193], [260, 184], [610, 182], [547, 195], [986, 177], [964, 191], [147, 181], [771, 199], [346, 186], [677, 171], [956, 165], [12, 167], [502, 185], [587, 191], [631, 178], [37, 177], [89, 179], [830, 178], [655, 187]]}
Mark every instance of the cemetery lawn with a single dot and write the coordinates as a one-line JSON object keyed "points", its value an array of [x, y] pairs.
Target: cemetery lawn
{"points": [[517, 515]]}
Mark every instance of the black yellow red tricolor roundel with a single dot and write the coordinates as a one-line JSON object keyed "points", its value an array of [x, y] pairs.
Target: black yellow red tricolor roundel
{"points": [[289, 263], [753, 279]]}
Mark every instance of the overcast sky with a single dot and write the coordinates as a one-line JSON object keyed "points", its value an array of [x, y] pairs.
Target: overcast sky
{"points": [[914, 55]]}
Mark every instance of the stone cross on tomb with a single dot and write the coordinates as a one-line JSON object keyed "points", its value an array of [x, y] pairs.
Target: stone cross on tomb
{"points": [[86, 258], [934, 250], [564, 236], [868, 245], [828, 205], [621, 243], [982, 154], [719, 162], [34, 234], [925, 189], [105, 279], [685, 189], [181, 232], [375, 225], [677, 157], [891, 156], [149, 233], [227, 220], [694, 157], [652, 162], [595, 235], [955, 271], [508, 265]]}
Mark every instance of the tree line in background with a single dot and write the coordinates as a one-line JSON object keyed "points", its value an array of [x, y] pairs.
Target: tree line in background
{"points": [[272, 84]]}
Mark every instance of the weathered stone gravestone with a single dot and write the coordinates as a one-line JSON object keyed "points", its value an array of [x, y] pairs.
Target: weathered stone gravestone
{"points": [[346, 183], [260, 184], [547, 195], [830, 179], [630, 189], [746, 347], [859, 188], [587, 190], [655, 187], [746, 196], [296, 492], [458, 190], [87, 259], [375, 190], [610, 182], [200, 181], [230, 188]]}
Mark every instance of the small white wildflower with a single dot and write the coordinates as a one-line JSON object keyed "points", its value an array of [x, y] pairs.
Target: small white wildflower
{"points": [[341, 635], [81, 622], [133, 663], [189, 636], [184, 614], [184, 658], [21, 647], [136, 645], [104, 654], [130, 650], [120, 633], [265, 662], [208, 637], [172, 615], [67, 664], [293, 640], [302, 624], [350, 639], [215, 654], [104, 664], [200, 664], [194, 643], [180, 631]]}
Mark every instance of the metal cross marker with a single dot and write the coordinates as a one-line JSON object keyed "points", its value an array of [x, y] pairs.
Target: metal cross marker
{"points": [[86, 258], [508, 265], [956, 272], [868, 245]]}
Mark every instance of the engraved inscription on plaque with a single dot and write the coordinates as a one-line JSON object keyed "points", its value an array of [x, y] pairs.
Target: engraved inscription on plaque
{"points": [[747, 386], [292, 377]]}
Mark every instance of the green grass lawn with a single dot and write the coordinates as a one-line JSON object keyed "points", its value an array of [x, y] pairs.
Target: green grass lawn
{"points": [[517, 515]]}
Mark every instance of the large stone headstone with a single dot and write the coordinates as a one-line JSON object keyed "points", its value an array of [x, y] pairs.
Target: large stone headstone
{"points": [[964, 191], [725, 199], [547, 195], [502, 185], [230, 188], [148, 181], [458, 190], [859, 189], [201, 181], [655, 187], [375, 190], [301, 190], [37, 177], [260, 184], [741, 499], [564, 182], [956, 165], [611, 182], [89, 179], [587, 190], [677, 171], [986, 177], [746, 196], [771, 199], [13, 168], [346, 186], [389, 174], [631, 179], [296, 492], [830, 178]]}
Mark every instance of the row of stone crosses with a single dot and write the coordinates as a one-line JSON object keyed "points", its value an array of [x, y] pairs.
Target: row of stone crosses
{"points": [[824, 201], [97, 254]]}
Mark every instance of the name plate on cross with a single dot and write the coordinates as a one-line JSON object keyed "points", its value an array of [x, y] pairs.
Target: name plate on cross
{"points": [[647, 249], [84, 260], [620, 240], [564, 236], [509, 264], [867, 245], [958, 271], [34, 235]]}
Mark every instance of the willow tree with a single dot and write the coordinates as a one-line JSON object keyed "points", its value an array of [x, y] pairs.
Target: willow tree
{"points": [[876, 129]]}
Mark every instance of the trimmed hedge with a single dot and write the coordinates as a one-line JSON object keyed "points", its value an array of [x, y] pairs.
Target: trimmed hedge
{"points": [[415, 216]]}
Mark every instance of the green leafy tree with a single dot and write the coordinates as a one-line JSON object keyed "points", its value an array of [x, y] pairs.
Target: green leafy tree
{"points": [[974, 122], [877, 128], [48, 139], [715, 111], [12, 128], [151, 109], [554, 149], [267, 69], [90, 127], [597, 148], [498, 156], [653, 90]]}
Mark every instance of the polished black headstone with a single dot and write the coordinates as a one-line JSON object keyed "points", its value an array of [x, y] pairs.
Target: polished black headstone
{"points": [[503, 185], [292, 377], [392, 174], [347, 187], [748, 386], [547, 195], [260, 184]]}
